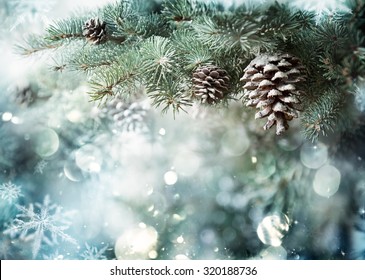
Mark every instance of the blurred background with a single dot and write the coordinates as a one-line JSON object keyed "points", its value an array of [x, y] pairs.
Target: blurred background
{"points": [[120, 180]]}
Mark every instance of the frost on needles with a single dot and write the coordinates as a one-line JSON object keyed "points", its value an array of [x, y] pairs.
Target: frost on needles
{"points": [[162, 46]]}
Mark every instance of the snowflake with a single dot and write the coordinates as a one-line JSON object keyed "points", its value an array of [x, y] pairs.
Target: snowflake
{"points": [[40, 167], [93, 253], [41, 223], [10, 192], [6, 247], [55, 256], [30, 11]]}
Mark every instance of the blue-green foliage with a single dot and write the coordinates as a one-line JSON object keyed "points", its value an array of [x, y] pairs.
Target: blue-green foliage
{"points": [[159, 45]]}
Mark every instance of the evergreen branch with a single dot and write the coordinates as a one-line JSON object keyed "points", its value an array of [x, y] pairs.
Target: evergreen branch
{"points": [[143, 27], [160, 45], [90, 57], [354, 16], [357, 44], [332, 68], [35, 44], [170, 95], [331, 35], [158, 59], [244, 36], [122, 74], [129, 19], [321, 117], [282, 22], [353, 69], [231, 34], [118, 10], [114, 16], [121, 19], [183, 10], [193, 53], [360, 53], [208, 32], [150, 25], [65, 29]]}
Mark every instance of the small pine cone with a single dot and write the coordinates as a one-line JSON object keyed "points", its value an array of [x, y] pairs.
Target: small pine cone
{"points": [[95, 30], [125, 116], [25, 96], [210, 83], [270, 87]]}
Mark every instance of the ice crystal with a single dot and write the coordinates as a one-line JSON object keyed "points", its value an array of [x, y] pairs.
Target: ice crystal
{"points": [[5, 247], [41, 223], [30, 11], [55, 256], [39, 167], [93, 253], [10, 192]]}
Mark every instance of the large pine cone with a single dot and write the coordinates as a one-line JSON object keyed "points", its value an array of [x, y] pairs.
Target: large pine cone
{"points": [[210, 83], [95, 30], [270, 87]]}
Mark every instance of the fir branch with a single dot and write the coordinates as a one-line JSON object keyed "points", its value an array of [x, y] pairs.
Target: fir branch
{"points": [[228, 34], [357, 43], [331, 67], [160, 45], [129, 19], [116, 15], [112, 12], [355, 16], [158, 60], [360, 53], [150, 25], [35, 44], [208, 32], [180, 11], [331, 35], [121, 75], [90, 57], [143, 27], [282, 22], [192, 52], [322, 116], [353, 69], [171, 96], [244, 36], [65, 29]]}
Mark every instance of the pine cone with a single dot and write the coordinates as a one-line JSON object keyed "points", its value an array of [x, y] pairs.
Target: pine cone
{"points": [[95, 30], [25, 96], [210, 83], [125, 116], [270, 87]]}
